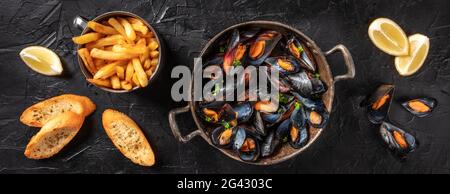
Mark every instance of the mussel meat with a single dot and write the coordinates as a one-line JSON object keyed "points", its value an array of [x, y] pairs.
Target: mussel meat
{"points": [[249, 150], [397, 139], [284, 64], [263, 45], [302, 53], [379, 102], [420, 107], [223, 137]]}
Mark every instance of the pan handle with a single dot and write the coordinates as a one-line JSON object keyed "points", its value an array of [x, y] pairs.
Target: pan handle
{"points": [[174, 126], [80, 22], [348, 62]]}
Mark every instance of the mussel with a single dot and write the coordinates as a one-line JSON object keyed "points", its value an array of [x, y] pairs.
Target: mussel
{"points": [[397, 139], [420, 107], [306, 84], [317, 116], [235, 52], [270, 144], [284, 64], [249, 149], [223, 137], [298, 132], [379, 102], [302, 53], [263, 45], [244, 111]]}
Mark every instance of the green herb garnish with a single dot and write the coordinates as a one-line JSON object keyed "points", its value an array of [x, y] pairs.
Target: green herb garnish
{"points": [[236, 63], [222, 49], [226, 125], [216, 89], [316, 75], [300, 49], [208, 119], [282, 99], [298, 105]]}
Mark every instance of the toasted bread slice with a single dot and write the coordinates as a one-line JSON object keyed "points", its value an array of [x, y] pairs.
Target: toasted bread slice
{"points": [[39, 114], [128, 137], [54, 135]]}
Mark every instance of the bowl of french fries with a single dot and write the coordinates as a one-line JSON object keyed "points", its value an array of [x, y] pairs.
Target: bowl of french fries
{"points": [[118, 51]]}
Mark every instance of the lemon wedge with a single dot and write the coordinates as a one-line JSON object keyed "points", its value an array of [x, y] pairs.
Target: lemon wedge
{"points": [[41, 60], [389, 37], [418, 49]]}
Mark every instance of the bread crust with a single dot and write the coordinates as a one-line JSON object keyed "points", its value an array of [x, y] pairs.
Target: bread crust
{"points": [[111, 118], [40, 113], [54, 135]]}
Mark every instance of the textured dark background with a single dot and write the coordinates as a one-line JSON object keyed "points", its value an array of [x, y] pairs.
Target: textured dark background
{"points": [[350, 144]]}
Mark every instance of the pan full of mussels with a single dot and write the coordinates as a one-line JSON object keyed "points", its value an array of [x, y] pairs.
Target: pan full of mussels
{"points": [[257, 131]]}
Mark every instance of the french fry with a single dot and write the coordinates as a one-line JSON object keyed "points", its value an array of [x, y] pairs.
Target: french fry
{"points": [[135, 21], [126, 85], [87, 38], [141, 41], [115, 82], [154, 62], [147, 64], [139, 71], [129, 72], [135, 79], [129, 32], [145, 56], [110, 55], [87, 60], [153, 68], [109, 48], [153, 45], [154, 54], [120, 71], [116, 25], [108, 70], [130, 49], [149, 73], [140, 28], [148, 36], [100, 82], [107, 41], [99, 63], [100, 28]]}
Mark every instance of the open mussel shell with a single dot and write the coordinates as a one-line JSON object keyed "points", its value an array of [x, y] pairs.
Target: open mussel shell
{"points": [[210, 111], [223, 137], [298, 136], [244, 111], [284, 64], [379, 102], [301, 53], [317, 117], [262, 47], [398, 140], [249, 151], [420, 107]]}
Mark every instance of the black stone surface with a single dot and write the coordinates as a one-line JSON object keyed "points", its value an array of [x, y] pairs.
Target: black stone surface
{"points": [[350, 144]]}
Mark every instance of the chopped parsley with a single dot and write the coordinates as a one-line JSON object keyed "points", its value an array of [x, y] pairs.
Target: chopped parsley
{"points": [[236, 63], [298, 105], [222, 49], [226, 125], [282, 98], [300, 49]]}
